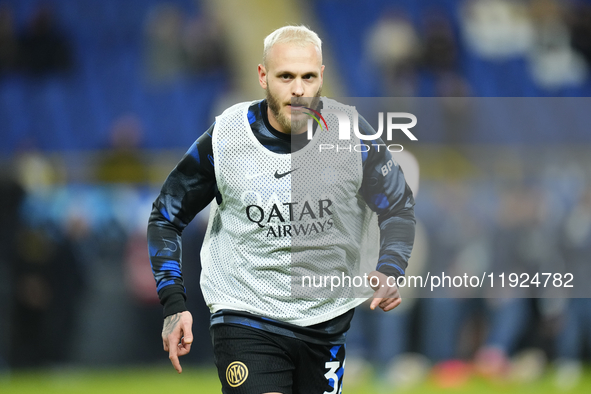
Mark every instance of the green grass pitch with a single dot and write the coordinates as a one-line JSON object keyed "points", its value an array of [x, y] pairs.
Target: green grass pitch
{"points": [[160, 380]]}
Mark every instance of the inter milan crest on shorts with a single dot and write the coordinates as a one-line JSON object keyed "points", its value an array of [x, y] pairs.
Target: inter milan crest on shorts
{"points": [[236, 373]]}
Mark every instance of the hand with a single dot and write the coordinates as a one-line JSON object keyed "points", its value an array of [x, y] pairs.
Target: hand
{"points": [[386, 297], [177, 337]]}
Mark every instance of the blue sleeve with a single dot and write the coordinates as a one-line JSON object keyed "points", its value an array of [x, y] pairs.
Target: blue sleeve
{"points": [[189, 188], [385, 191]]}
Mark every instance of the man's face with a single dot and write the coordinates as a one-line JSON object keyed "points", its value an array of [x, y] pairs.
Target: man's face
{"points": [[293, 74]]}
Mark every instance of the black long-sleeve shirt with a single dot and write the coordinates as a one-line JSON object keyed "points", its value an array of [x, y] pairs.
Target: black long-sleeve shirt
{"points": [[191, 186]]}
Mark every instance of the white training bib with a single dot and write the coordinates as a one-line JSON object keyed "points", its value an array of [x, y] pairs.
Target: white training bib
{"points": [[285, 218]]}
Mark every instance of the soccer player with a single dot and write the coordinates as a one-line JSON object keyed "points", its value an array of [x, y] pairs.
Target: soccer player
{"points": [[267, 339]]}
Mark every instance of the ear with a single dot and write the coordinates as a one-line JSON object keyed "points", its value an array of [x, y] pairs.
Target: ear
{"points": [[262, 76], [321, 75]]}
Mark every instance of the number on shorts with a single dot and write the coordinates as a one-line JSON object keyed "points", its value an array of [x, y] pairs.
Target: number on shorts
{"points": [[332, 374]]}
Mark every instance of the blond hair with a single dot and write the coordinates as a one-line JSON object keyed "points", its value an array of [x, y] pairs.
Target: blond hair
{"points": [[293, 34]]}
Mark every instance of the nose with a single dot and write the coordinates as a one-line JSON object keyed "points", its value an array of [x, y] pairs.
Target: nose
{"points": [[298, 88]]}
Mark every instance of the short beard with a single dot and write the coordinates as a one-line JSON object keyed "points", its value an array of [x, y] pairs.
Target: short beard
{"points": [[286, 123]]}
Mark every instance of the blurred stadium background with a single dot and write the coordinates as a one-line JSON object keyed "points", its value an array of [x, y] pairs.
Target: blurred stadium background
{"points": [[100, 99]]}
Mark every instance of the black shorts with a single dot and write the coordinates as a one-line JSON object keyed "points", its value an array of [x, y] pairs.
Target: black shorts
{"points": [[254, 361]]}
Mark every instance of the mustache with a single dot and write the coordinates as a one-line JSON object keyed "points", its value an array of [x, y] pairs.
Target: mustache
{"points": [[300, 103], [306, 101]]}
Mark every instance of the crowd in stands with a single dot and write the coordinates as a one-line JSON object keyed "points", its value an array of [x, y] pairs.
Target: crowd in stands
{"points": [[39, 49], [177, 44], [450, 48]]}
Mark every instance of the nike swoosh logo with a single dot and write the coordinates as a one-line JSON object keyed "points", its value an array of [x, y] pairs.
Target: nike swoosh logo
{"points": [[249, 177], [279, 176]]}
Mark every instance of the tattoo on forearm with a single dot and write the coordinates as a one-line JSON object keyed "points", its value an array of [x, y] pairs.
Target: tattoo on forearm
{"points": [[170, 323]]}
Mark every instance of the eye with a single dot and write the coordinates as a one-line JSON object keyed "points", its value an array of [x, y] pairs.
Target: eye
{"points": [[285, 76]]}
